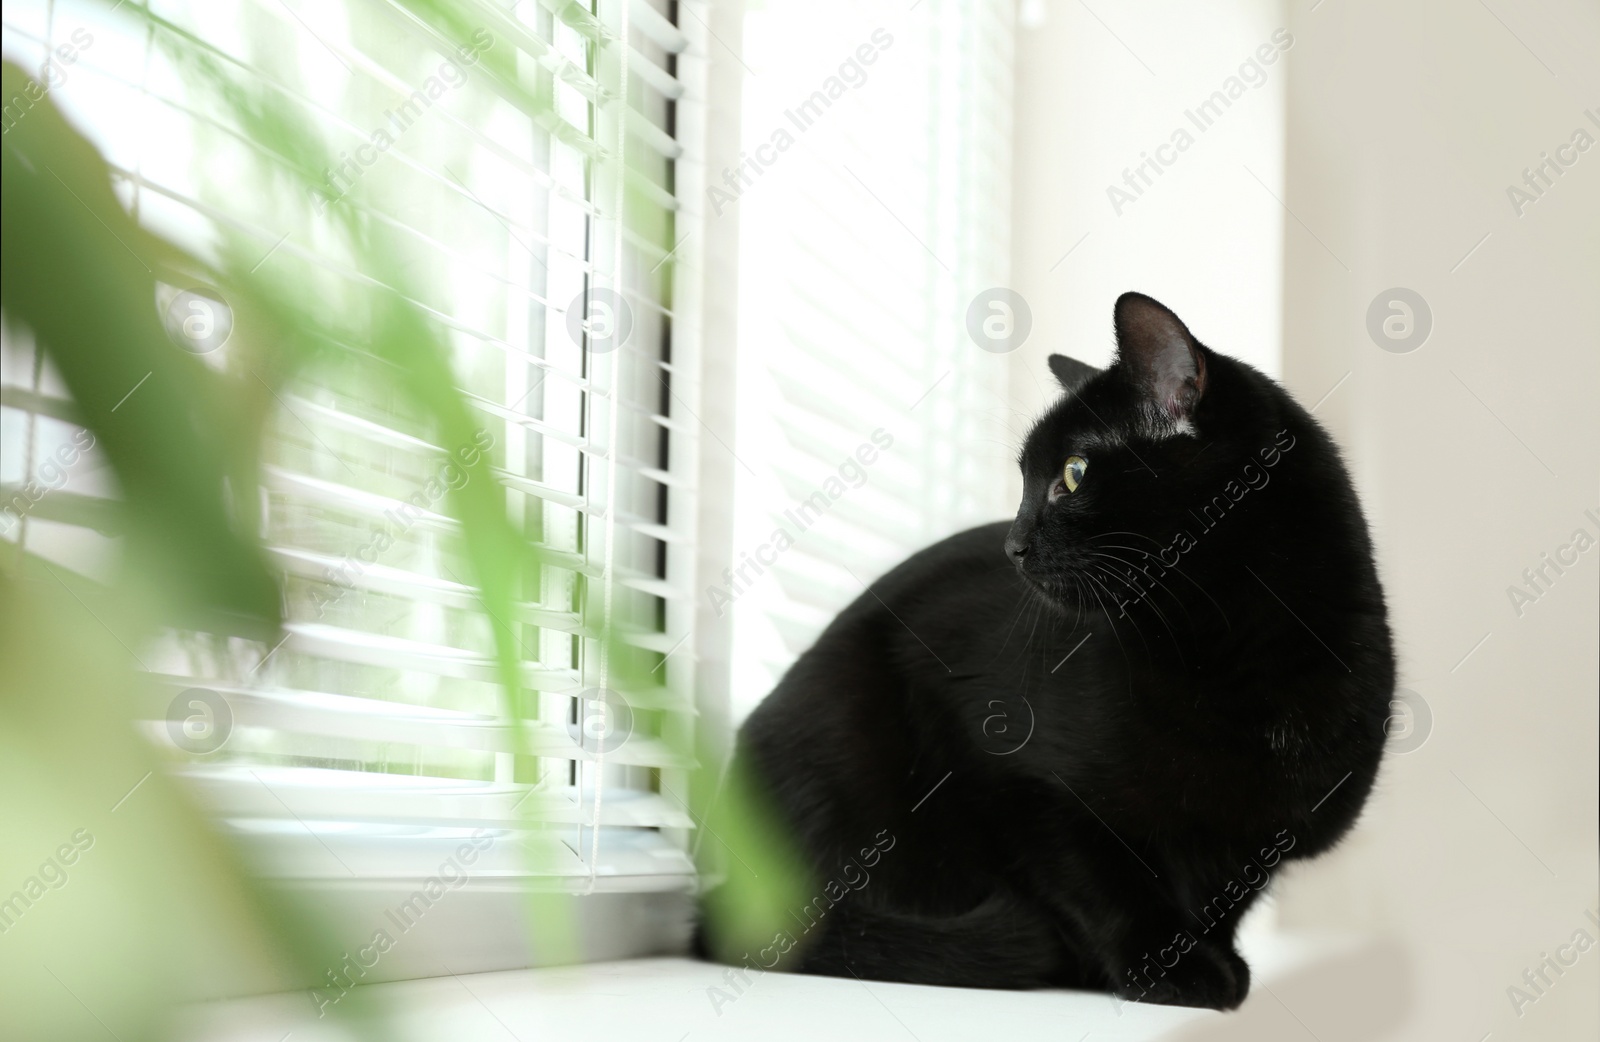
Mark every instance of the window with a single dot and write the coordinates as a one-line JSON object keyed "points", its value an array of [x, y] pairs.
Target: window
{"points": [[874, 206], [519, 188], [366, 745]]}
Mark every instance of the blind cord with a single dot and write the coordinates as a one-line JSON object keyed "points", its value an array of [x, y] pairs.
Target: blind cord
{"points": [[612, 434]]}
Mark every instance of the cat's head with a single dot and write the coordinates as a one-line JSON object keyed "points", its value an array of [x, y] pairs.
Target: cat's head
{"points": [[1123, 466]]}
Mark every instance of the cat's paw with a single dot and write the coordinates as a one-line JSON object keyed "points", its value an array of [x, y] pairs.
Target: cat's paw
{"points": [[1208, 976], [1241, 972]]}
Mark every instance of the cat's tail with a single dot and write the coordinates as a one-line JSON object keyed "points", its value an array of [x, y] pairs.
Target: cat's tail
{"points": [[1002, 943]]}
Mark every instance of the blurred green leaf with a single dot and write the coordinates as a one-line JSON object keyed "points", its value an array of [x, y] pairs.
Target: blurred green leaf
{"points": [[185, 442], [82, 275], [157, 911], [764, 879]]}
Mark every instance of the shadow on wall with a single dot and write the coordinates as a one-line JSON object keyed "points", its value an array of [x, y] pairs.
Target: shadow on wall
{"points": [[1364, 995]]}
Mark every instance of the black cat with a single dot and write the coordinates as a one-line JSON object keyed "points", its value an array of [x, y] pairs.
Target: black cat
{"points": [[1071, 750]]}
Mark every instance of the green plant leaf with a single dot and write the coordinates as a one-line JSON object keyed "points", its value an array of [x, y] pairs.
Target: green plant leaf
{"points": [[82, 276]]}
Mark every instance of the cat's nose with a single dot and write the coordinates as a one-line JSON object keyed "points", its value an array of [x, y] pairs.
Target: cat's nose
{"points": [[1018, 536]]}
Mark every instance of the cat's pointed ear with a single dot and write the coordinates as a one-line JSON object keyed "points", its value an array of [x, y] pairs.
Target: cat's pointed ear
{"points": [[1071, 373], [1159, 355]]}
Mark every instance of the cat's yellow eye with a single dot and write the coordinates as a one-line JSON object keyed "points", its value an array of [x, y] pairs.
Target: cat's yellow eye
{"points": [[1072, 473]]}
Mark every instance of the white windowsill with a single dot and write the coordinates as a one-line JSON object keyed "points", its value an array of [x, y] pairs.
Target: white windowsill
{"points": [[671, 999]]}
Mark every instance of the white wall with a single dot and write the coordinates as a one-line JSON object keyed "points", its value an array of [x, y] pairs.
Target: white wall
{"points": [[1392, 132], [1097, 89], [1476, 453]]}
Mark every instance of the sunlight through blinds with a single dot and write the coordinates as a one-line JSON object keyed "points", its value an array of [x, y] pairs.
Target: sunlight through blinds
{"points": [[373, 736], [873, 207]]}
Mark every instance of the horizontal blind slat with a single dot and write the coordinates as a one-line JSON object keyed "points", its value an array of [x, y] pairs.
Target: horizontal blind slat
{"points": [[436, 653], [656, 27], [337, 854], [311, 793]]}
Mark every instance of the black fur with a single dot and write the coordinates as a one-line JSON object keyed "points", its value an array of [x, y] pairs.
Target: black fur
{"points": [[1079, 765]]}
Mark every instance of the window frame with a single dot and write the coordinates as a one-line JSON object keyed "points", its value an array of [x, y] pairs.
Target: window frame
{"points": [[490, 914]]}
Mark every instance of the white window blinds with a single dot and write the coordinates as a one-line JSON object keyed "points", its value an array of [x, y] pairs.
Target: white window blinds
{"points": [[374, 736], [873, 208]]}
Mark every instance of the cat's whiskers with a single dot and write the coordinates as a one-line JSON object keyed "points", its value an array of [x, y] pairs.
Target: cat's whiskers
{"points": [[1142, 596], [1090, 574], [1137, 535], [1025, 601], [1138, 599], [1038, 604], [1173, 568], [1106, 614], [1134, 566], [1079, 600], [1038, 610]]}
